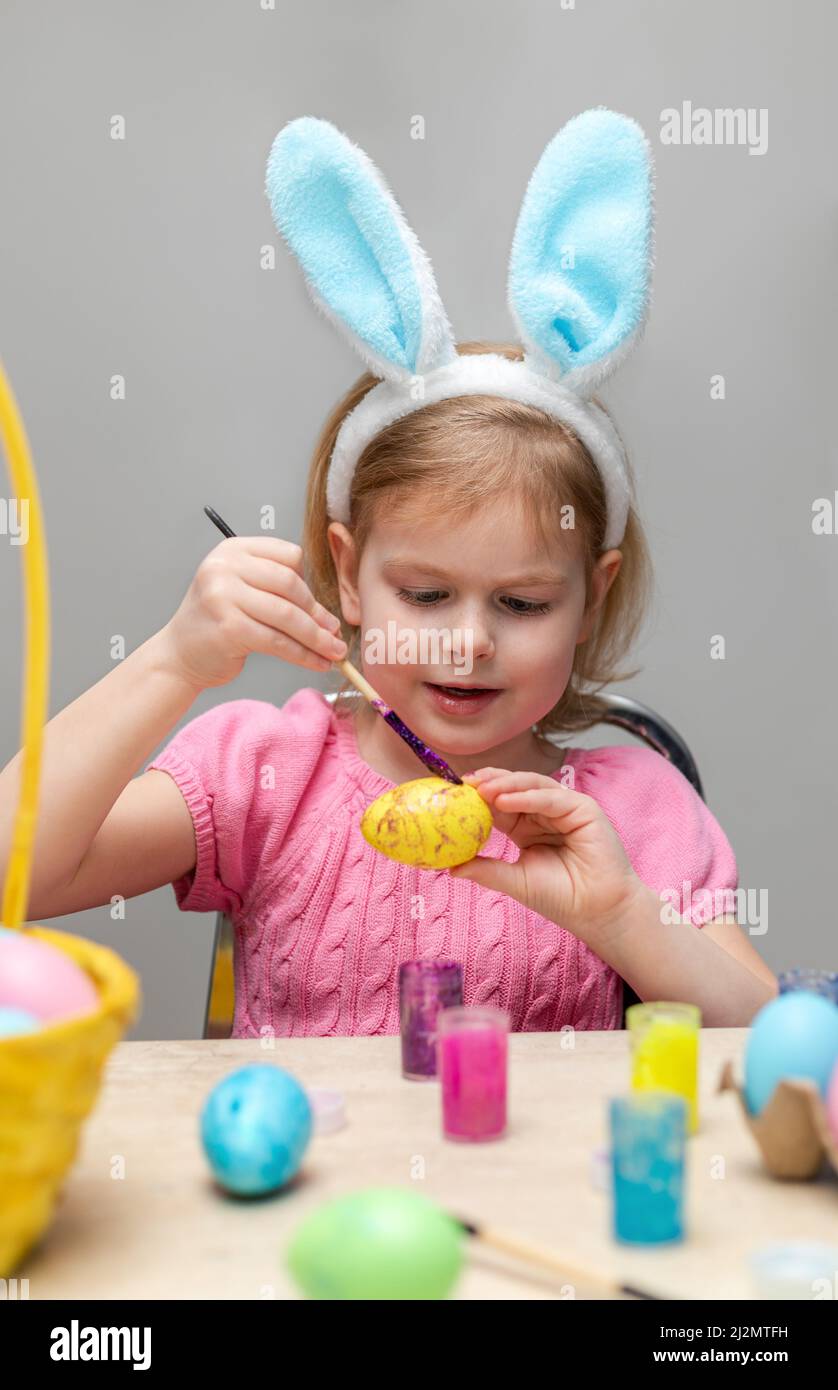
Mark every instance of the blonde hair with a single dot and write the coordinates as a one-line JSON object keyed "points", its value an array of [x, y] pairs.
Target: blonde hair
{"points": [[468, 450]]}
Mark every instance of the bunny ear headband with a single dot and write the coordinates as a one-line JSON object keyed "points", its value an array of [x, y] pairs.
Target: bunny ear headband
{"points": [[578, 285]]}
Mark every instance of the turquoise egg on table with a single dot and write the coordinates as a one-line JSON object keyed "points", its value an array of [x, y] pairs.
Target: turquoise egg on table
{"points": [[255, 1128], [795, 1035], [13, 1022]]}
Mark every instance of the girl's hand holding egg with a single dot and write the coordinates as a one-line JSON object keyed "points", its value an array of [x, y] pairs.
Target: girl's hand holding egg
{"points": [[249, 595], [572, 868]]}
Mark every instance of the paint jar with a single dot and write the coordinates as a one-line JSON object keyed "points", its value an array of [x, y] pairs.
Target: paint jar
{"points": [[472, 1070], [795, 1269], [823, 982], [664, 1051], [648, 1145], [425, 987]]}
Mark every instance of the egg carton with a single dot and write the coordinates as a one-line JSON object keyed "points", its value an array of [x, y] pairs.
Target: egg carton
{"points": [[792, 1130]]}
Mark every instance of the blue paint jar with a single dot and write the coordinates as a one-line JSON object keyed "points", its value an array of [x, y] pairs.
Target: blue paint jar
{"points": [[648, 1147]]}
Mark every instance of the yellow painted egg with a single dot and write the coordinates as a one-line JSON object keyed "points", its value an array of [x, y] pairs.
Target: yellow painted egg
{"points": [[430, 823]]}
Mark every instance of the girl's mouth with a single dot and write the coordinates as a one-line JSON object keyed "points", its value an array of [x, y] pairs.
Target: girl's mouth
{"points": [[452, 699]]}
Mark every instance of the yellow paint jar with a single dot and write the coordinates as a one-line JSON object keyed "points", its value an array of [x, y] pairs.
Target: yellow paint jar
{"points": [[664, 1051]]}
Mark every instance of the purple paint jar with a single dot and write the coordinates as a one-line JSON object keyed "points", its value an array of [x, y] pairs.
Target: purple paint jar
{"points": [[425, 987]]}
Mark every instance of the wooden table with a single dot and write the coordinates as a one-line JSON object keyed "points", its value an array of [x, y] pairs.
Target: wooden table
{"points": [[140, 1216]]}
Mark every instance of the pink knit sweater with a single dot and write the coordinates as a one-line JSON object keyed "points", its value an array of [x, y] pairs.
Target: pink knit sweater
{"points": [[322, 920]]}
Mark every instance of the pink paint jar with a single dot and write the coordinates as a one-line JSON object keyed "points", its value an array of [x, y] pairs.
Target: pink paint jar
{"points": [[472, 1044]]}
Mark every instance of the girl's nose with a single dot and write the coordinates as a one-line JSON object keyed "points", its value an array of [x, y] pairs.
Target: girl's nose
{"points": [[477, 630]]}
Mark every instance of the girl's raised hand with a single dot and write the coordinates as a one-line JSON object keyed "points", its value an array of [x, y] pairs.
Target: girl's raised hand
{"points": [[572, 867], [249, 595]]}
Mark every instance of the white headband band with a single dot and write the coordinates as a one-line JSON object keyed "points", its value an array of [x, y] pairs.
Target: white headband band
{"points": [[578, 285]]}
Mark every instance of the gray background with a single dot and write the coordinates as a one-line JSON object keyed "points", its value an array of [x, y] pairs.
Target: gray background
{"points": [[141, 257]]}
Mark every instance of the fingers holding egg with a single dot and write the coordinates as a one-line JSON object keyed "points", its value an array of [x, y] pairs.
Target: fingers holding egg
{"points": [[515, 796], [496, 781]]}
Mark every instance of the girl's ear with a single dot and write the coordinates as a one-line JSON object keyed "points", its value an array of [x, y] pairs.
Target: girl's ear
{"points": [[581, 257], [363, 264], [345, 561]]}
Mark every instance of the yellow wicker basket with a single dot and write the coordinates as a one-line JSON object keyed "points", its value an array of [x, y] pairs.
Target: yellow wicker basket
{"points": [[49, 1082], [49, 1079]]}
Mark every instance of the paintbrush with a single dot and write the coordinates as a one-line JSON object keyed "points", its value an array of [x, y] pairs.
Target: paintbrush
{"points": [[540, 1256], [431, 760]]}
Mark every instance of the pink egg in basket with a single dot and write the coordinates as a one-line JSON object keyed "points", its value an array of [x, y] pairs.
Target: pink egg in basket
{"points": [[832, 1104], [42, 981]]}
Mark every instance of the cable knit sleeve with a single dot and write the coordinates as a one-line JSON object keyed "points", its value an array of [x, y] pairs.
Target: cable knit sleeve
{"points": [[241, 768], [673, 840]]}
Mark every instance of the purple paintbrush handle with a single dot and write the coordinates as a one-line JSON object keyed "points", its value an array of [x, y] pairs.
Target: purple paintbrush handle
{"points": [[432, 761]]}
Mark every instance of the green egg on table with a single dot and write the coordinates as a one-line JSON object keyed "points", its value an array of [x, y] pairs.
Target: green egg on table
{"points": [[383, 1243]]}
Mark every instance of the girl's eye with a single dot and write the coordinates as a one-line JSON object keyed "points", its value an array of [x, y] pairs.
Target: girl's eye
{"points": [[529, 607], [419, 596], [429, 596]]}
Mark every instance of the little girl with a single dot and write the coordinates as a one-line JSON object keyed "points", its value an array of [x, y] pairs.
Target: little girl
{"points": [[455, 515]]}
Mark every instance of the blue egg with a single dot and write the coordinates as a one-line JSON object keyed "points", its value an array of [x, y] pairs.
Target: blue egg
{"points": [[255, 1128], [16, 1021], [796, 1035]]}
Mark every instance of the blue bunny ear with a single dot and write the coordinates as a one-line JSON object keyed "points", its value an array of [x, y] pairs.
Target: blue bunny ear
{"points": [[581, 256], [363, 265]]}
